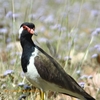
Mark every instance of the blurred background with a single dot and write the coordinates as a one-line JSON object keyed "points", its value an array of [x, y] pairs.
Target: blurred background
{"points": [[67, 29]]}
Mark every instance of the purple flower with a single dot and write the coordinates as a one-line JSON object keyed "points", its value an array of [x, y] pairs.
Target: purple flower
{"points": [[96, 31], [90, 77], [94, 55], [82, 84], [21, 84], [97, 47], [7, 72], [3, 30]]}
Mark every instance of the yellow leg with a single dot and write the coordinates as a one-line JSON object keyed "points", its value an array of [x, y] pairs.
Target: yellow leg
{"points": [[42, 94]]}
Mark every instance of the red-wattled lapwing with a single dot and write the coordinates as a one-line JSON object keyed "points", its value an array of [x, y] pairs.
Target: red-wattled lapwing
{"points": [[43, 71]]}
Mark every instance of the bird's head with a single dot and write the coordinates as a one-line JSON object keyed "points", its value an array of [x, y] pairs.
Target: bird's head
{"points": [[27, 30]]}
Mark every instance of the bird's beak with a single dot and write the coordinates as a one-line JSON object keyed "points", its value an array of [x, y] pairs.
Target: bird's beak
{"points": [[35, 34]]}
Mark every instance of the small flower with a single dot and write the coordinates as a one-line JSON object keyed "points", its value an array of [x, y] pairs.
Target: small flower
{"points": [[84, 77], [7, 72], [67, 58], [82, 84], [97, 47], [3, 30], [78, 72], [94, 55], [27, 87], [90, 77], [49, 19], [96, 31], [21, 84]]}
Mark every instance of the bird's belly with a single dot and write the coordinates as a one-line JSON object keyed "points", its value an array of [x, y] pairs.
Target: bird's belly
{"points": [[32, 74], [35, 79], [38, 82], [45, 85]]}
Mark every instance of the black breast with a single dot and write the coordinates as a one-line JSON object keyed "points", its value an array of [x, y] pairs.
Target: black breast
{"points": [[27, 53]]}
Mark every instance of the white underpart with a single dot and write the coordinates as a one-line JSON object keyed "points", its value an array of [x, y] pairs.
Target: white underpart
{"points": [[34, 78], [20, 31], [32, 73]]}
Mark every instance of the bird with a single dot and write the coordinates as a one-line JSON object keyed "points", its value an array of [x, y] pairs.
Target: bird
{"points": [[43, 71]]}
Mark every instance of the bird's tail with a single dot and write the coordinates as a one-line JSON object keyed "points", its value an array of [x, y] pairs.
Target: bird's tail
{"points": [[90, 99], [80, 92], [87, 96], [83, 96]]}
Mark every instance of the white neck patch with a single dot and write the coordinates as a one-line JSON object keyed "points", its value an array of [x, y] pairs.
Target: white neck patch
{"points": [[20, 31]]}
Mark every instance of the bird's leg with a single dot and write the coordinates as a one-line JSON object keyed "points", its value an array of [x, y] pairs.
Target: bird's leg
{"points": [[42, 94], [24, 79]]}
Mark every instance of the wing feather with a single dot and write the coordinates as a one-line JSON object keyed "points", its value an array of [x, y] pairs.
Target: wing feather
{"points": [[51, 71]]}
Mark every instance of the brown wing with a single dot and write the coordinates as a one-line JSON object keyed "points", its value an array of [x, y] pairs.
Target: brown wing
{"points": [[51, 71]]}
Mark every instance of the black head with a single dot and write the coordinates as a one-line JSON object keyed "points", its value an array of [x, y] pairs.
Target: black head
{"points": [[26, 29], [30, 25]]}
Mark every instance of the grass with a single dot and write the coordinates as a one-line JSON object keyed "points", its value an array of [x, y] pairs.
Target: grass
{"points": [[67, 26]]}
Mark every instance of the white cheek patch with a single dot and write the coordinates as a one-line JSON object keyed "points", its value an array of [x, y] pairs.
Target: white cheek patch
{"points": [[20, 31]]}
